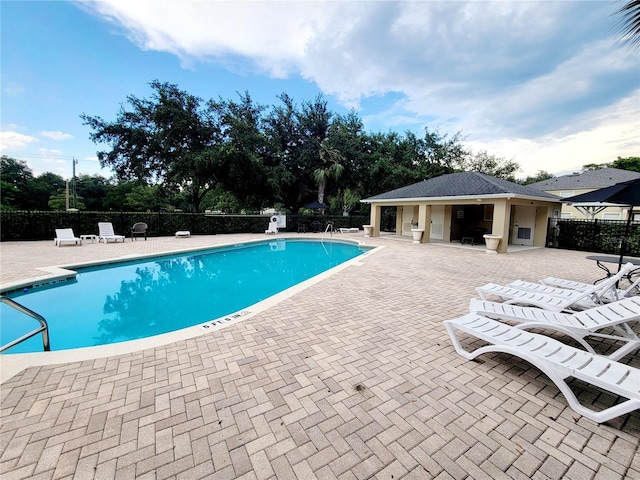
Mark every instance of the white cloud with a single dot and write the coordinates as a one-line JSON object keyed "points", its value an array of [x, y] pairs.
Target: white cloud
{"points": [[614, 133], [14, 141], [50, 160], [501, 66], [57, 135], [13, 88], [272, 34], [534, 79], [50, 154]]}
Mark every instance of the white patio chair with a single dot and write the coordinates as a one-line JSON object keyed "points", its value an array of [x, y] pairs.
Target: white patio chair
{"points": [[106, 233], [631, 289], [555, 299], [617, 316], [66, 235], [273, 226], [557, 360], [606, 291]]}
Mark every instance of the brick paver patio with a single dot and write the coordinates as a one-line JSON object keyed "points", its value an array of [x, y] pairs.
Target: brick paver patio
{"points": [[351, 378]]}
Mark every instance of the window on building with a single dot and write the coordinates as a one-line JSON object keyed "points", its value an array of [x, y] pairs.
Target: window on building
{"points": [[524, 233], [488, 213]]}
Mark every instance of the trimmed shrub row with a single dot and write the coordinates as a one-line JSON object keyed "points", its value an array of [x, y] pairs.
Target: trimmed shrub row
{"points": [[602, 236], [41, 225]]}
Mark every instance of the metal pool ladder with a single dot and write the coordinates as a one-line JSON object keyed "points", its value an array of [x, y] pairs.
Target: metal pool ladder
{"points": [[44, 328], [329, 229]]}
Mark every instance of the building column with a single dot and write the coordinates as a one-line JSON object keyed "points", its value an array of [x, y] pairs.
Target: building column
{"points": [[446, 227], [399, 216], [375, 217], [542, 222], [501, 222], [424, 221]]}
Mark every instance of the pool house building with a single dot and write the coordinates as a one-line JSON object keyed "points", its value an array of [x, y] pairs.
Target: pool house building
{"points": [[464, 207]]}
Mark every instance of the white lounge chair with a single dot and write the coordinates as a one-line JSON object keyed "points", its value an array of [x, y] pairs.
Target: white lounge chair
{"points": [[106, 233], [580, 325], [564, 283], [631, 289], [554, 299], [603, 293], [66, 235], [569, 303], [599, 296], [557, 360]]}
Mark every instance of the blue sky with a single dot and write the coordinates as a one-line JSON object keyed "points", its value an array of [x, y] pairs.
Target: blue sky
{"points": [[543, 83]]}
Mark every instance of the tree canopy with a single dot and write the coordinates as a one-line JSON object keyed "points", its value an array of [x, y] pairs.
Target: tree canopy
{"points": [[174, 150], [623, 163], [286, 154], [629, 23]]}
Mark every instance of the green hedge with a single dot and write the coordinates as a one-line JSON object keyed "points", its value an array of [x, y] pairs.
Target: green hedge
{"points": [[603, 236], [37, 225]]}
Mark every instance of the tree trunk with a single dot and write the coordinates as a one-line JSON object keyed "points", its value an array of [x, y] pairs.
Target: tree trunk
{"points": [[321, 186]]}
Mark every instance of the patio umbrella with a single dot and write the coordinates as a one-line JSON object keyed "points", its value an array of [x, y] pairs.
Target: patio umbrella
{"points": [[623, 194], [316, 205]]}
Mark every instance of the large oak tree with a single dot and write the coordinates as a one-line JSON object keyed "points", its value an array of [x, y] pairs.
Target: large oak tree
{"points": [[170, 139]]}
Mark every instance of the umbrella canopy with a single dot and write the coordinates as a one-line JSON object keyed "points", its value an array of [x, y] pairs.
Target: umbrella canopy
{"points": [[625, 193], [316, 204]]}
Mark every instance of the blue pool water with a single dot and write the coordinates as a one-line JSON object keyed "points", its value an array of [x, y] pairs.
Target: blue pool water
{"points": [[131, 300]]}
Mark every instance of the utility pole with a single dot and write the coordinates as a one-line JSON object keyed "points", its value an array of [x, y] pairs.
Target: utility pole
{"points": [[75, 162]]}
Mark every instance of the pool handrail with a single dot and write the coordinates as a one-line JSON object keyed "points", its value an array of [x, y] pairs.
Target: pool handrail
{"points": [[44, 327]]}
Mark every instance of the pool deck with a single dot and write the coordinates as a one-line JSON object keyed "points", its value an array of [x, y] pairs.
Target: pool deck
{"points": [[352, 376]]}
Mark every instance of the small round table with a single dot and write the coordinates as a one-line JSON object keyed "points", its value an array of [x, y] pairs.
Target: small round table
{"points": [[602, 259]]}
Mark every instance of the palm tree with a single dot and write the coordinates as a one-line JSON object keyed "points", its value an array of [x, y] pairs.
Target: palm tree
{"points": [[629, 24], [331, 168]]}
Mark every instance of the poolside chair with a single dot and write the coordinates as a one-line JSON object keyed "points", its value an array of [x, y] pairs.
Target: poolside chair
{"points": [[273, 226], [564, 283], [139, 228], [608, 292], [633, 288], [607, 295], [557, 360], [554, 299], [106, 233], [316, 226], [616, 316], [66, 235]]}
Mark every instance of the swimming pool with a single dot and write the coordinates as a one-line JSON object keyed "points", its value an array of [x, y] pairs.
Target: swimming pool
{"points": [[137, 299]]}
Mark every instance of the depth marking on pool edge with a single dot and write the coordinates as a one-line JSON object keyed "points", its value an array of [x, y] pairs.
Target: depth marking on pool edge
{"points": [[220, 321]]}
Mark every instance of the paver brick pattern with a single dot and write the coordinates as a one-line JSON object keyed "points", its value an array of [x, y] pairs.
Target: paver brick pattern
{"points": [[351, 378]]}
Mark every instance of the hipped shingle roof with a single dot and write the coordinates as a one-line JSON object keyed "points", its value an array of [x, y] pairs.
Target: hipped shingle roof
{"points": [[464, 184], [593, 179]]}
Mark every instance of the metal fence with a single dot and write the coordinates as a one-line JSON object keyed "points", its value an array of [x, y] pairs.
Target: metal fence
{"points": [[41, 225], [602, 236]]}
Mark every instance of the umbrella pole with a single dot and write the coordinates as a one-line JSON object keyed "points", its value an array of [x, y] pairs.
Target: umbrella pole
{"points": [[623, 244]]}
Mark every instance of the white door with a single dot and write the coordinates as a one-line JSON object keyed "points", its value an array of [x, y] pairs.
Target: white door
{"points": [[437, 222], [524, 222], [407, 218]]}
